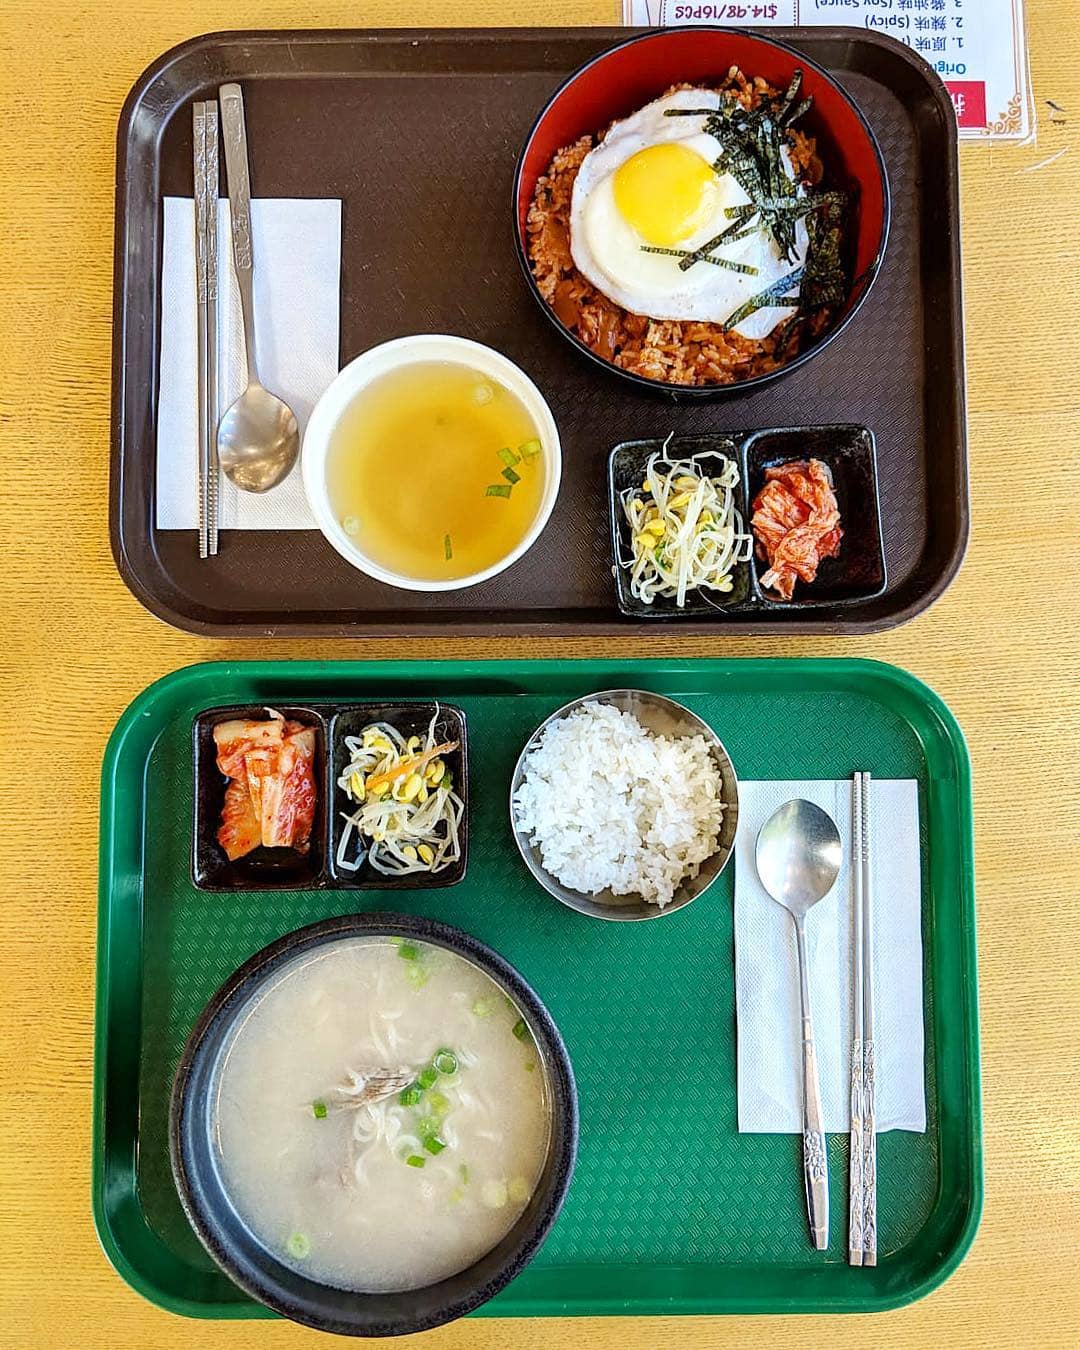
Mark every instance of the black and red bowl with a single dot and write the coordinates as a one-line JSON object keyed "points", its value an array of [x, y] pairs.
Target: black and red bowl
{"points": [[633, 73]]}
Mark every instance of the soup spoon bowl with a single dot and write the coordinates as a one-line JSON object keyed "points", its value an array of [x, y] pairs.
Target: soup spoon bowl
{"points": [[258, 440]]}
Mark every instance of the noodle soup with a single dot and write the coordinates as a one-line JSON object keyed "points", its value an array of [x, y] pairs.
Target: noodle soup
{"points": [[382, 1115]]}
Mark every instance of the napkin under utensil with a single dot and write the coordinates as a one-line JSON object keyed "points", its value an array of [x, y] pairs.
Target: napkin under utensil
{"points": [[766, 972], [297, 294]]}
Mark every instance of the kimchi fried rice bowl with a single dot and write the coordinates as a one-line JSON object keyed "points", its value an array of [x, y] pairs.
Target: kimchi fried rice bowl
{"points": [[698, 351]]}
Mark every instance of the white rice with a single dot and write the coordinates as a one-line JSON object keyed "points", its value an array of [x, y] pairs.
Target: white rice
{"points": [[611, 806]]}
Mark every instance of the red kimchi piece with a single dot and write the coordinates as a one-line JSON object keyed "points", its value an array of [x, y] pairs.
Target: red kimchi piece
{"points": [[239, 832], [796, 524], [288, 798], [270, 796]]}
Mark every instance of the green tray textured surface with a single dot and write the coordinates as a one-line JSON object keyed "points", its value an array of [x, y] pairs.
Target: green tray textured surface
{"points": [[671, 1209]]}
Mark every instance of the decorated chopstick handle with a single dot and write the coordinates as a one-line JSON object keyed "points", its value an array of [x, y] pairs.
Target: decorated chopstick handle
{"points": [[869, 1158], [857, 1162]]}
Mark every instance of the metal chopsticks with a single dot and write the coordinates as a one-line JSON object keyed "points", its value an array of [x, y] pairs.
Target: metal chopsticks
{"points": [[862, 1189], [869, 1168], [205, 161], [855, 1163], [213, 479]]}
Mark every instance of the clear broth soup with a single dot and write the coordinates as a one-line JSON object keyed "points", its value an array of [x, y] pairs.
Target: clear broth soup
{"points": [[436, 471]]}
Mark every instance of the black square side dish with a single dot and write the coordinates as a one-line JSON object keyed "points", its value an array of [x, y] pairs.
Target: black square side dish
{"points": [[411, 719], [264, 869], [626, 469], [849, 453]]}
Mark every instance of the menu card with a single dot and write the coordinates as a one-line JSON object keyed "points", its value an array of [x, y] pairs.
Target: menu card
{"points": [[976, 46]]}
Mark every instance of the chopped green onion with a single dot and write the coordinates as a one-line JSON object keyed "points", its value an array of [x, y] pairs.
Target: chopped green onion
{"points": [[414, 1160], [298, 1245], [494, 1194], [396, 941], [463, 1173], [410, 1096], [448, 547], [418, 976], [447, 780], [483, 1007], [434, 1144], [318, 1110], [521, 1031], [530, 1065], [428, 1077], [445, 1061], [438, 1103], [511, 476], [408, 952], [497, 490], [529, 449], [508, 457]]}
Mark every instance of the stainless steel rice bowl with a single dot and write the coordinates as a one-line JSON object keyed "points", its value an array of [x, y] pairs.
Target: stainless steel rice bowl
{"points": [[664, 717]]}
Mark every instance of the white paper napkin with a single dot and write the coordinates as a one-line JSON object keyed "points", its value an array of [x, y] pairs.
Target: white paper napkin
{"points": [[766, 971], [297, 286]]}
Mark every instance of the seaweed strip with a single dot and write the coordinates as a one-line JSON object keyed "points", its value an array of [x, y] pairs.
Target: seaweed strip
{"points": [[824, 283], [772, 295], [753, 141], [688, 259]]}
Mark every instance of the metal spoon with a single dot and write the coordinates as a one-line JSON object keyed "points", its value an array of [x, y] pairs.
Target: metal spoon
{"points": [[258, 439], [798, 859]]}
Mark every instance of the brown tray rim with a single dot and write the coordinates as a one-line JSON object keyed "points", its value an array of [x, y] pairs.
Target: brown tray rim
{"points": [[478, 627]]}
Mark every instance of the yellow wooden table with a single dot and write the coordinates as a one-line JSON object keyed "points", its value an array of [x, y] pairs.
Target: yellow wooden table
{"points": [[1001, 647]]}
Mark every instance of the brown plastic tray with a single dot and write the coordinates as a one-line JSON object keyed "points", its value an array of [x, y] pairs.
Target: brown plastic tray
{"points": [[418, 132]]}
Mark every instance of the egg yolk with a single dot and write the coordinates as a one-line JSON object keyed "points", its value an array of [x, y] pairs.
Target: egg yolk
{"points": [[666, 192]]}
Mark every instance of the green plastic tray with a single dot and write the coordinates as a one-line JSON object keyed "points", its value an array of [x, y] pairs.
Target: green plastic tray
{"points": [[671, 1209]]}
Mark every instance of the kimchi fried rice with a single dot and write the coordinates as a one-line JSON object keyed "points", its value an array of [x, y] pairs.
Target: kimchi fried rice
{"points": [[671, 351]]}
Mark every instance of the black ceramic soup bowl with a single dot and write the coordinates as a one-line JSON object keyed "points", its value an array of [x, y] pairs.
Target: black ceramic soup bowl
{"points": [[195, 1158]]}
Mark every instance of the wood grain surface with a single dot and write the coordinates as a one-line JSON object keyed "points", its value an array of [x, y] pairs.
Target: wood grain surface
{"points": [[1001, 647]]}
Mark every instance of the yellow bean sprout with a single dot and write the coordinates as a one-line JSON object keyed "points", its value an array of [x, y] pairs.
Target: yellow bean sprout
{"points": [[407, 814], [685, 532]]}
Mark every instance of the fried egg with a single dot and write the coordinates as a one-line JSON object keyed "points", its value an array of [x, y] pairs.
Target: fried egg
{"points": [[650, 184]]}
